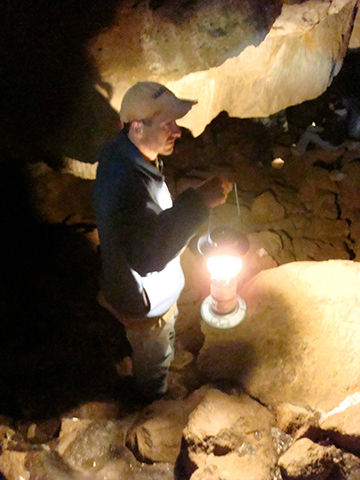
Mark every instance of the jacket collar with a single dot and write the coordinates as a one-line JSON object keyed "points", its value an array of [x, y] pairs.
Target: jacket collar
{"points": [[137, 157]]}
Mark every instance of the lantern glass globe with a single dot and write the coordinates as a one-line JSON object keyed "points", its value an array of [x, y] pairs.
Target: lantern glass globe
{"points": [[224, 267]]}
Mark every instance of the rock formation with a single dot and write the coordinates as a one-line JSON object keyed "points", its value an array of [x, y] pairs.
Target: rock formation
{"points": [[249, 58], [298, 342], [276, 397]]}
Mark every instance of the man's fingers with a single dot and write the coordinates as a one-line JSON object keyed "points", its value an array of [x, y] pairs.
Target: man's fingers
{"points": [[214, 191], [227, 186]]}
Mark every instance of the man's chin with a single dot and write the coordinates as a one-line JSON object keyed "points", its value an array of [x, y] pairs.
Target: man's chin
{"points": [[167, 150]]}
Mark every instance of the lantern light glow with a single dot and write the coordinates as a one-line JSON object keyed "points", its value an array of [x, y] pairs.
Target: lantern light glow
{"points": [[223, 247], [224, 267], [223, 308]]}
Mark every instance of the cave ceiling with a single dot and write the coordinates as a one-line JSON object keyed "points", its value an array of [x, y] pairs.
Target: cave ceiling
{"points": [[251, 58]]}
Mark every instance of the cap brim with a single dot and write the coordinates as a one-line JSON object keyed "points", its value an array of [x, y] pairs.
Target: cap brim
{"points": [[177, 109]]}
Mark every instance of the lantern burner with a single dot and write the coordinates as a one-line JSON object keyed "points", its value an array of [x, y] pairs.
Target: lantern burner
{"points": [[220, 320]]}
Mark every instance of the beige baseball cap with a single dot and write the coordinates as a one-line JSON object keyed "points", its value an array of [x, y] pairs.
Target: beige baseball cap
{"points": [[148, 99]]}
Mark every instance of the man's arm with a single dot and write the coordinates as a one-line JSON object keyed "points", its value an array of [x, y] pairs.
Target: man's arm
{"points": [[157, 238]]}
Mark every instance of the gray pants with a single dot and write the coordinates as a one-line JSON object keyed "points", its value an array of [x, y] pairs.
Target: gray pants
{"points": [[152, 341], [152, 353]]}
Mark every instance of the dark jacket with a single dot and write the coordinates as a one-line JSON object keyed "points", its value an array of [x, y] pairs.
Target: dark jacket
{"points": [[137, 235]]}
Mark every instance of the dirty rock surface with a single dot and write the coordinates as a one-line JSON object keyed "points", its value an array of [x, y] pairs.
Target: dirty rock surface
{"points": [[239, 51], [286, 408], [299, 341]]}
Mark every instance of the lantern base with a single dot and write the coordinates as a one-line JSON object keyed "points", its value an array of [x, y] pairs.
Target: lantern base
{"points": [[228, 320]]}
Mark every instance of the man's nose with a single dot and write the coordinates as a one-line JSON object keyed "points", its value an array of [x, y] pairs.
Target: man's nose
{"points": [[175, 129]]}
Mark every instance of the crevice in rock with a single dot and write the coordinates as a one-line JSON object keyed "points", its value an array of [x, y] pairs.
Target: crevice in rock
{"points": [[342, 441], [355, 160], [337, 164], [135, 450], [277, 232], [253, 397], [221, 450], [350, 251], [184, 466], [337, 205], [287, 234], [347, 245], [351, 240]]}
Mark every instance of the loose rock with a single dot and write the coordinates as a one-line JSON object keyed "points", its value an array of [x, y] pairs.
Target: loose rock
{"points": [[228, 434], [306, 460]]}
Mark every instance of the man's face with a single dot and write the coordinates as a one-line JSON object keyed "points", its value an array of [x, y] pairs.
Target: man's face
{"points": [[159, 137]]}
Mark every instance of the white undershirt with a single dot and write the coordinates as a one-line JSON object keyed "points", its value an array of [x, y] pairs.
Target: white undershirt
{"points": [[163, 288]]}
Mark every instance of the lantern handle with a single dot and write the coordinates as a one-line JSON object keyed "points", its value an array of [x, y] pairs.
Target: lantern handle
{"points": [[237, 207], [237, 199]]}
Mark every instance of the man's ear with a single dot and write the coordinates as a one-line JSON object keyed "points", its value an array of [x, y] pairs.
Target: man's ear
{"points": [[137, 128]]}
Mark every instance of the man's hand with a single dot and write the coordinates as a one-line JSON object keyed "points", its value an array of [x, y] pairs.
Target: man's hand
{"points": [[214, 191]]}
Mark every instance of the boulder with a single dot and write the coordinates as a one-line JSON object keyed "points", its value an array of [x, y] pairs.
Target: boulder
{"points": [[43, 465], [249, 61], [228, 468], [344, 428], [320, 249], [300, 340], [297, 420], [44, 431], [307, 460], [325, 229], [156, 434], [267, 209], [350, 466], [226, 434], [12, 465], [88, 445], [6, 435], [92, 411]]}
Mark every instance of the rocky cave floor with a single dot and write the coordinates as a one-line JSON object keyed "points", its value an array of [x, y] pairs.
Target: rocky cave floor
{"points": [[65, 402]]}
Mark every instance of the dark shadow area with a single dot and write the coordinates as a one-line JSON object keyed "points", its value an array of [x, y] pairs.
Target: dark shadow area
{"points": [[337, 110], [45, 68], [261, 14], [253, 141], [238, 360], [57, 347], [347, 81], [53, 350]]}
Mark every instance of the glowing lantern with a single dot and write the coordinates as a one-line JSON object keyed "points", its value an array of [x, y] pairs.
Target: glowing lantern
{"points": [[223, 308]]}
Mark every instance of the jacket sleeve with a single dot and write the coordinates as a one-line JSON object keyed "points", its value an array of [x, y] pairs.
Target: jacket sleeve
{"points": [[159, 236], [118, 283]]}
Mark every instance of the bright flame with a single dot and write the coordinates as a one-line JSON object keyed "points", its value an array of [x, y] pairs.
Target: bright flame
{"points": [[224, 267]]}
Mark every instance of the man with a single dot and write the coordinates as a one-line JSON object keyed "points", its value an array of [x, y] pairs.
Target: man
{"points": [[142, 232]]}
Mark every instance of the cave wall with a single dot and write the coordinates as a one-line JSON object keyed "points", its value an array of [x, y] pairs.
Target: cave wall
{"points": [[251, 59], [65, 67]]}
